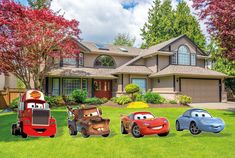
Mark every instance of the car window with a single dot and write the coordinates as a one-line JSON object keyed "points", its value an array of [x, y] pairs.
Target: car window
{"points": [[143, 116], [200, 114], [187, 113], [130, 116]]}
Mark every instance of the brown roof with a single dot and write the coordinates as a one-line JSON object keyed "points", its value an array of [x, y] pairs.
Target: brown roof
{"points": [[131, 69], [82, 72], [187, 70], [113, 49]]}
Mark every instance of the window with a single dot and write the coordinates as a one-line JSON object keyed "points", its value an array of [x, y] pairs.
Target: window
{"points": [[174, 58], [69, 61], [55, 86], [81, 59], [104, 61], [141, 82], [69, 85], [193, 59], [183, 55]]}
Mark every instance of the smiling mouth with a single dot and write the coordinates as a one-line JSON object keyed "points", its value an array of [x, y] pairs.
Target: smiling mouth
{"points": [[99, 129], [158, 127]]}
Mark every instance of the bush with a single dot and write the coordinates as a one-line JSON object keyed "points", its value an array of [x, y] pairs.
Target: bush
{"points": [[139, 97], [131, 89], [114, 99], [93, 101], [154, 98], [184, 99], [123, 100], [137, 105], [79, 95], [14, 104], [55, 100], [69, 100], [104, 100], [172, 101]]}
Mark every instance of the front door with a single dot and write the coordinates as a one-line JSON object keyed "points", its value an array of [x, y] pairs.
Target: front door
{"points": [[103, 89]]}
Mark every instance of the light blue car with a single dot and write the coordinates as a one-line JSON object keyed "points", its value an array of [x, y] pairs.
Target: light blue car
{"points": [[197, 120]]}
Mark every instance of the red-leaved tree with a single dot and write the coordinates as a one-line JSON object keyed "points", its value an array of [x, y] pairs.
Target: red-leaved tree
{"points": [[220, 17], [31, 39]]}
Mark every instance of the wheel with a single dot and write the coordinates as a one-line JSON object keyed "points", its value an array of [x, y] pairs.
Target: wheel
{"points": [[163, 134], [123, 130], [194, 129], [84, 133], [105, 135], [24, 135], [72, 131], [52, 136], [177, 126], [135, 131], [13, 129]]}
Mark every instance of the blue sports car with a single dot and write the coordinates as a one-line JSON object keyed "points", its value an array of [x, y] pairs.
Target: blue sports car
{"points": [[197, 120]]}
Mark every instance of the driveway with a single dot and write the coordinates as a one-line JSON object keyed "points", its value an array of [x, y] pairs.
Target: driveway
{"points": [[221, 106]]}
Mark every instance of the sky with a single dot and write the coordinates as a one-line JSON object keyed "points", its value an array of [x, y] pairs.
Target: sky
{"points": [[101, 20]]}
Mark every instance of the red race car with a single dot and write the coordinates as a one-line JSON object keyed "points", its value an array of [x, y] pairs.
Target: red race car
{"points": [[144, 123]]}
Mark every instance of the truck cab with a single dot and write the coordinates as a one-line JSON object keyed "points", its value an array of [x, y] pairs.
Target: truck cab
{"points": [[34, 116]]}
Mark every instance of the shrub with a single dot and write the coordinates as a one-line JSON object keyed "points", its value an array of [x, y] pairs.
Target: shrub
{"points": [[131, 89], [104, 100], [55, 100], [184, 99], [154, 98], [114, 99], [123, 100], [69, 100], [172, 101], [79, 95], [93, 101], [139, 97], [14, 104], [137, 105]]}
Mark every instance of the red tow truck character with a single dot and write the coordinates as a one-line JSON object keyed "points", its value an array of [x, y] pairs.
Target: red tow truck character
{"points": [[34, 116]]}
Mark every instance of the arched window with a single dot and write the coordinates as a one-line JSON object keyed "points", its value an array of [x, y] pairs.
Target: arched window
{"points": [[183, 55], [104, 61]]}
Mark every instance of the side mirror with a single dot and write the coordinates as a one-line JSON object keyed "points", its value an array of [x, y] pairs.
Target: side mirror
{"points": [[100, 111], [47, 106], [21, 106]]}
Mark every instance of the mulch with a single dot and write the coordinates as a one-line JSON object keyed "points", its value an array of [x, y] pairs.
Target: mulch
{"points": [[112, 104]]}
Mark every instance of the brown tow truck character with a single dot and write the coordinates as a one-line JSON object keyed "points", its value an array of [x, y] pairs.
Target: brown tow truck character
{"points": [[88, 121]]}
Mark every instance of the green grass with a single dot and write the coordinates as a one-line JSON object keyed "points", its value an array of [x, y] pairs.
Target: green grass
{"points": [[176, 144]]}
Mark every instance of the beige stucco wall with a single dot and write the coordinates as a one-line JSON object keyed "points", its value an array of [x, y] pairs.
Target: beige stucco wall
{"points": [[151, 63], [163, 62], [139, 62], [165, 84], [89, 59], [201, 63]]}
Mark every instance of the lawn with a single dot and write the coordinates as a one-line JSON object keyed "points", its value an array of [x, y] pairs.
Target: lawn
{"points": [[176, 144]]}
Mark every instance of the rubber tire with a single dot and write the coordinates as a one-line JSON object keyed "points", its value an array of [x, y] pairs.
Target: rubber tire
{"points": [[194, 124], [105, 135], [52, 136], [134, 134], [163, 134], [13, 129], [72, 131], [177, 126], [84, 133], [24, 135], [123, 130]]}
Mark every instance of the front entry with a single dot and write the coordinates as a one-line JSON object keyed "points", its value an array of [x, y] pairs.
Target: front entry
{"points": [[103, 88]]}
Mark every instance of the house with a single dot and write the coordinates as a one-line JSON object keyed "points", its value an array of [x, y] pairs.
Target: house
{"points": [[171, 68]]}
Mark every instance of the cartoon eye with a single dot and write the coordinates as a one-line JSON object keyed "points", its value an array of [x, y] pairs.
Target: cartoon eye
{"points": [[90, 114], [203, 115], [144, 117], [85, 115], [138, 118], [196, 115], [32, 106]]}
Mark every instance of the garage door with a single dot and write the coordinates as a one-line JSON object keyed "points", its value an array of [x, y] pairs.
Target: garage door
{"points": [[201, 90]]}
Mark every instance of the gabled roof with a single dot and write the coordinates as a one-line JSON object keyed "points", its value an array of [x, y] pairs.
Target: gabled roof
{"points": [[112, 49], [156, 48], [187, 70]]}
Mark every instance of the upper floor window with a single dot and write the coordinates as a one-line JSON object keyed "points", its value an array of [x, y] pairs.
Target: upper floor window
{"points": [[193, 59], [183, 55], [69, 61], [81, 59], [104, 61]]}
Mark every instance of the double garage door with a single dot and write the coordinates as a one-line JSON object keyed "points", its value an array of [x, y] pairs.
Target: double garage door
{"points": [[201, 90]]}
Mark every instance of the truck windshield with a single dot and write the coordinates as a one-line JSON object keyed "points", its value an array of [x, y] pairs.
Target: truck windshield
{"points": [[35, 106], [143, 116]]}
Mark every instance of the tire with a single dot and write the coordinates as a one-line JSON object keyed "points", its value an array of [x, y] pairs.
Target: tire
{"points": [[177, 126], [194, 129], [84, 133], [135, 131], [163, 134], [105, 135], [123, 130], [13, 129], [52, 136], [24, 135], [72, 131]]}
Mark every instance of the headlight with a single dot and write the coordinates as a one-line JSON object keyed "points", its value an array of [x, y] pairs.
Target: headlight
{"points": [[165, 121], [146, 124]]}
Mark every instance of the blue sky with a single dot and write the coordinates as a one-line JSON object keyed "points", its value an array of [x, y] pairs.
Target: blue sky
{"points": [[101, 20]]}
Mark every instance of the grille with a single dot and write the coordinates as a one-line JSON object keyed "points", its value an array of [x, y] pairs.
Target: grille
{"points": [[41, 117]]}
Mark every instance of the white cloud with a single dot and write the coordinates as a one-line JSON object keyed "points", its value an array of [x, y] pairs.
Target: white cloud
{"points": [[102, 20]]}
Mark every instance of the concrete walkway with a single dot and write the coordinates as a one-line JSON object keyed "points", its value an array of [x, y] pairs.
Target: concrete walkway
{"points": [[221, 106]]}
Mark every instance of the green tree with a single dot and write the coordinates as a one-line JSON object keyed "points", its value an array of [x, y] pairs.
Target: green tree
{"points": [[124, 39], [39, 4], [165, 23]]}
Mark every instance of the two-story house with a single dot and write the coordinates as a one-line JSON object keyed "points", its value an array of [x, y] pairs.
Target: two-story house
{"points": [[171, 68]]}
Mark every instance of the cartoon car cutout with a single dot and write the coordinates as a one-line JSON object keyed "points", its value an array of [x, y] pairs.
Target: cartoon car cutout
{"points": [[197, 120], [88, 121], [144, 123]]}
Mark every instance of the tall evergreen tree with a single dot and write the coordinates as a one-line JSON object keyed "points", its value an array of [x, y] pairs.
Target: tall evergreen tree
{"points": [[164, 23], [39, 4], [124, 39]]}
